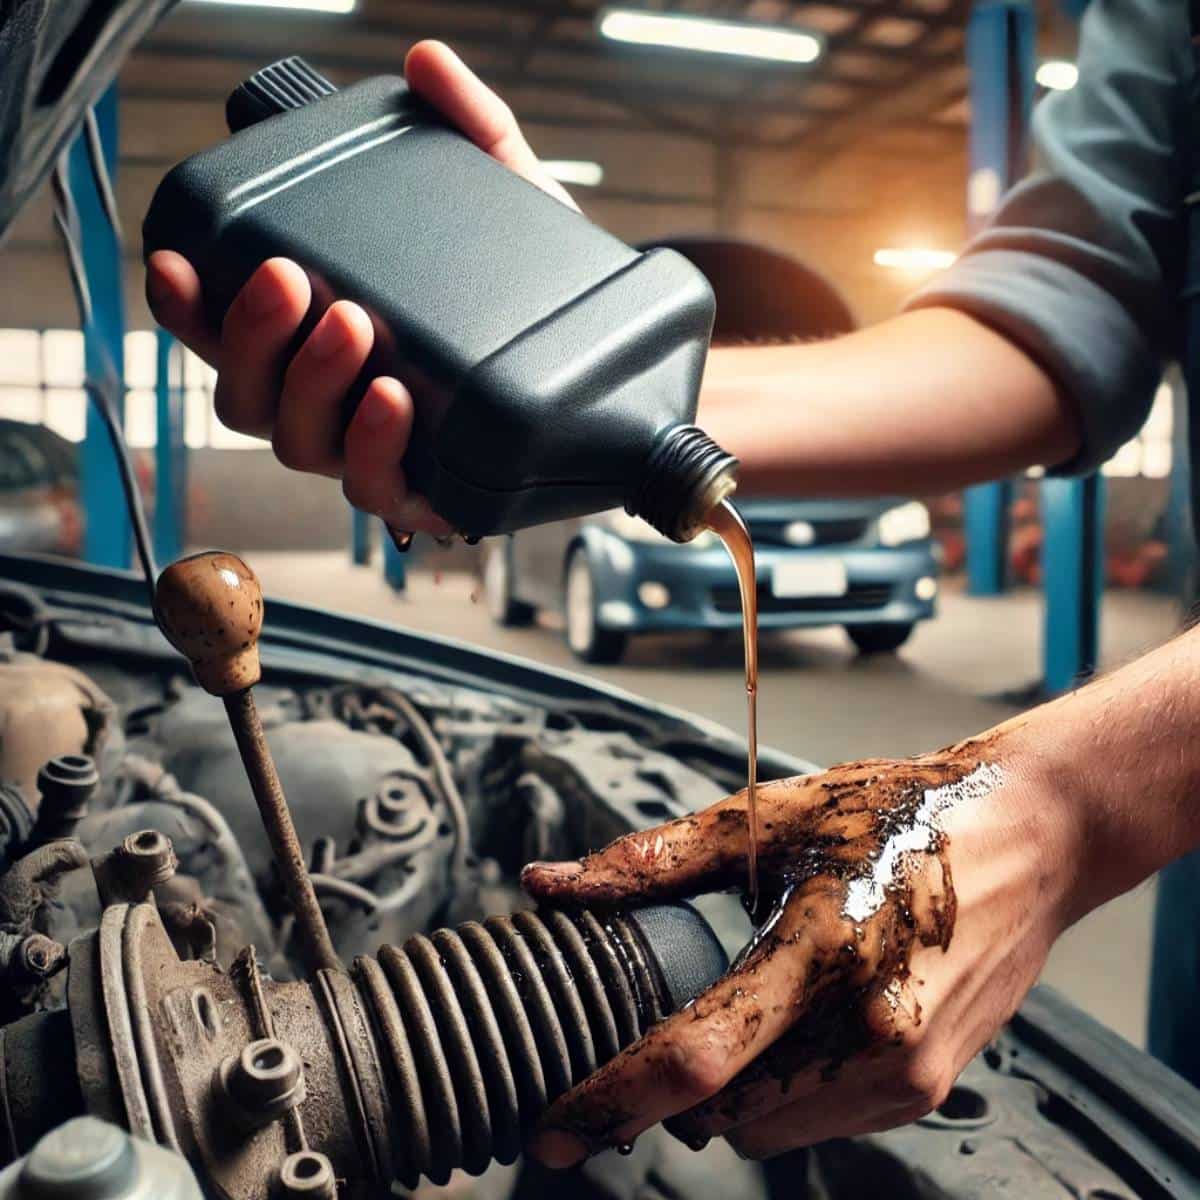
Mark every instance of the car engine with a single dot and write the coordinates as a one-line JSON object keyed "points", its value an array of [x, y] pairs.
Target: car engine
{"points": [[153, 977]]}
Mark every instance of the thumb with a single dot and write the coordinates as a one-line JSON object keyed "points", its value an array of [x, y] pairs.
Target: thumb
{"points": [[701, 852]]}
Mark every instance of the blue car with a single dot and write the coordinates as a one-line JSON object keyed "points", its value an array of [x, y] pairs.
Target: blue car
{"points": [[868, 565]]}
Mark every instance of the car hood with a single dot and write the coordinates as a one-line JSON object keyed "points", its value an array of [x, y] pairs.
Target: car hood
{"points": [[298, 639], [56, 59]]}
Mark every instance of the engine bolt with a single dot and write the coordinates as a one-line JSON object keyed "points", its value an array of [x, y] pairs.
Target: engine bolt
{"points": [[264, 1082], [397, 811], [41, 957], [66, 785], [84, 1158], [148, 857], [308, 1175]]}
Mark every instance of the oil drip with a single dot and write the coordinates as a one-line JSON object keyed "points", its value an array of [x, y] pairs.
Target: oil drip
{"points": [[726, 522]]}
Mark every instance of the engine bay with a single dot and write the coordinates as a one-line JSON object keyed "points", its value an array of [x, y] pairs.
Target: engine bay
{"points": [[417, 796]]}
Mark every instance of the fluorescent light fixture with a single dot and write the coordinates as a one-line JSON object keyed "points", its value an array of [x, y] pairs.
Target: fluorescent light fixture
{"points": [[574, 171], [743, 38], [1057, 75], [327, 6], [914, 258]]}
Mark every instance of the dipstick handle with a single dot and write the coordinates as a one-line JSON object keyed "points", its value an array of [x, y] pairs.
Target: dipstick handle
{"points": [[210, 608]]}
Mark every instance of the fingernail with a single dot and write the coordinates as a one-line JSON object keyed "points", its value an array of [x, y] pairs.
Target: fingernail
{"points": [[263, 297], [413, 513], [557, 1149], [374, 412], [551, 871], [160, 293], [327, 339], [552, 868]]}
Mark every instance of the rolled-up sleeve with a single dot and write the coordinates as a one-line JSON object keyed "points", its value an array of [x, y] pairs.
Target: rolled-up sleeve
{"points": [[1082, 263]]}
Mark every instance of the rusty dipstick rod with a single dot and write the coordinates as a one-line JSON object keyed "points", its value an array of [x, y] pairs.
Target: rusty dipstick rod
{"points": [[210, 608]]}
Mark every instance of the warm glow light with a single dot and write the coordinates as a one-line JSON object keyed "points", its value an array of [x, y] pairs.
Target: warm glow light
{"points": [[713, 37], [329, 6], [914, 258], [1057, 74], [577, 172]]}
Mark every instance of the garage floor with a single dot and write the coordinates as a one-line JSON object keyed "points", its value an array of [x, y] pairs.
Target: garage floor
{"points": [[818, 701]]}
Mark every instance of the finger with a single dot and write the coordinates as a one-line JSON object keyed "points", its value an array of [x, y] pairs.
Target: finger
{"points": [[439, 76], [703, 851], [848, 1038], [173, 293], [307, 435], [375, 444], [886, 1084], [851, 1112], [256, 336], [692, 1055]]}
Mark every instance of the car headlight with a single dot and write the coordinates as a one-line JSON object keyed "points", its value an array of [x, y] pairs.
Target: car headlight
{"points": [[634, 529], [904, 523]]}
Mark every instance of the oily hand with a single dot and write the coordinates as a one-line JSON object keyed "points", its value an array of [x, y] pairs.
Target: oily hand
{"points": [[857, 1003], [268, 388]]}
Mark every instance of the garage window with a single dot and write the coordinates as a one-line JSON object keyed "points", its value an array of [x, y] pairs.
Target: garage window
{"points": [[41, 381]]}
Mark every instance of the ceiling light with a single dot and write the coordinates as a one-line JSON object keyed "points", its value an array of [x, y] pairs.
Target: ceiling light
{"points": [[328, 6], [914, 258], [715, 37], [574, 171], [1057, 74]]}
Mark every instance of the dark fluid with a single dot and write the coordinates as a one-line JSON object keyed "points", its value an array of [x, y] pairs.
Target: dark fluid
{"points": [[726, 522]]}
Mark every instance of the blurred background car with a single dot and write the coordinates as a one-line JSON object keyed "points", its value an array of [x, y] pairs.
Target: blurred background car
{"points": [[39, 490], [867, 565]]}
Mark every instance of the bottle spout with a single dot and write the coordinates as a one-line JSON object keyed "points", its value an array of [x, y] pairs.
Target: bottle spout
{"points": [[686, 476]]}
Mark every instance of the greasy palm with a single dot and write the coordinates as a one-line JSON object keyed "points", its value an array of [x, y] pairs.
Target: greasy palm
{"points": [[911, 905]]}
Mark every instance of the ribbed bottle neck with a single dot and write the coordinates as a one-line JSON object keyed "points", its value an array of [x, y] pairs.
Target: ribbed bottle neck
{"points": [[686, 476]]}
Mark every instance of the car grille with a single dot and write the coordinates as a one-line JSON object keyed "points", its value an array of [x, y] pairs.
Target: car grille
{"points": [[858, 596], [826, 533]]}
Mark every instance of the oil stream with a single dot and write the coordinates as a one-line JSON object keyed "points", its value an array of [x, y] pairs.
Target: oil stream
{"points": [[726, 522]]}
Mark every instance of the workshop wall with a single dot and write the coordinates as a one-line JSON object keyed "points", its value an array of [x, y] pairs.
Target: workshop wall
{"points": [[656, 185], [830, 205]]}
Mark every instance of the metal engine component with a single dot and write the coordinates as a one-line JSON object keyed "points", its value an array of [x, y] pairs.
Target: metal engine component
{"points": [[436, 1055], [46, 709], [65, 785], [417, 815], [89, 1159]]}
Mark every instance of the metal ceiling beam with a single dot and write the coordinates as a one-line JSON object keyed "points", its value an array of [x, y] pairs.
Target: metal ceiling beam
{"points": [[878, 112], [191, 25], [631, 97]]}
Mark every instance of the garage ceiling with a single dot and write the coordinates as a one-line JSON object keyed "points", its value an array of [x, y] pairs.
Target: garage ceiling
{"points": [[892, 68]]}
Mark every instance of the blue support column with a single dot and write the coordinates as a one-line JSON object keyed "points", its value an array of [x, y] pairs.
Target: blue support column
{"points": [[108, 540], [1072, 562], [395, 566], [1001, 59], [360, 537], [170, 456], [1073, 577], [1181, 543]]}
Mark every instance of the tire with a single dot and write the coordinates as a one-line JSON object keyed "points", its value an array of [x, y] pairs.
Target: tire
{"points": [[584, 636], [504, 610], [879, 639]]}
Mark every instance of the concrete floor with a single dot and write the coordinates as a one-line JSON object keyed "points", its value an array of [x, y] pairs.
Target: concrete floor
{"points": [[819, 701]]}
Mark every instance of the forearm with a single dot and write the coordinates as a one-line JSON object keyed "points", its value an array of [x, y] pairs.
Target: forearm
{"points": [[1121, 760], [927, 402]]}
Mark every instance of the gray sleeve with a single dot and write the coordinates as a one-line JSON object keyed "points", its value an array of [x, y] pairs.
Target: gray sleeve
{"points": [[1082, 263]]}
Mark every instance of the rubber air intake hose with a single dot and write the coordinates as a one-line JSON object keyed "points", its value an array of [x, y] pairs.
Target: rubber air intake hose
{"points": [[483, 1026]]}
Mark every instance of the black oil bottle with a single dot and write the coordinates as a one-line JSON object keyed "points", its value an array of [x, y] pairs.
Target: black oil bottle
{"points": [[555, 370]]}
